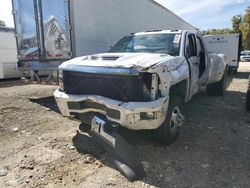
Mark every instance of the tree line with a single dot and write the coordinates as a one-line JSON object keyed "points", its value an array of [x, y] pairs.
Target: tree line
{"points": [[240, 24]]}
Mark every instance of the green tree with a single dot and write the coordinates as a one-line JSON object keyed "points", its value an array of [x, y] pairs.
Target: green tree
{"points": [[245, 29], [236, 21], [216, 31], [241, 24]]}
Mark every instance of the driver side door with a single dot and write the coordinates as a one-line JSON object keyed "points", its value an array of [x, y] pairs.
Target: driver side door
{"points": [[191, 55]]}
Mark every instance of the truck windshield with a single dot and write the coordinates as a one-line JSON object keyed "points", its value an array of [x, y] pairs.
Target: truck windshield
{"points": [[149, 43]]}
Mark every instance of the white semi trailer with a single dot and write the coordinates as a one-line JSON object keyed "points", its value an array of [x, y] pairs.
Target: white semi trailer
{"points": [[227, 44], [50, 32], [8, 54]]}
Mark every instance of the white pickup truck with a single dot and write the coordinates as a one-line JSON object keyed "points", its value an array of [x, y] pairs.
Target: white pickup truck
{"points": [[142, 82]]}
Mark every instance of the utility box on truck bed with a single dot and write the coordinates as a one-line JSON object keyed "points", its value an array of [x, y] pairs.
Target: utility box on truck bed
{"points": [[50, 32], [227, 44]]}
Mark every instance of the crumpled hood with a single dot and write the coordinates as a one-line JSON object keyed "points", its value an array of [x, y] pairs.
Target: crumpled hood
{"points": [[121, 60]]}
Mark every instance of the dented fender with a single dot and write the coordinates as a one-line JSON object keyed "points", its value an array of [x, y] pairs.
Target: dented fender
{"points": [[170, 73]]}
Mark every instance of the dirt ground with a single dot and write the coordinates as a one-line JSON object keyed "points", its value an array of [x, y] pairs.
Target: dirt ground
{"points": [[40, 148]]}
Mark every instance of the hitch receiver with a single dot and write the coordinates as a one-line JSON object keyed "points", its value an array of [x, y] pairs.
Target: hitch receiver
{"points": [[122, 153]]}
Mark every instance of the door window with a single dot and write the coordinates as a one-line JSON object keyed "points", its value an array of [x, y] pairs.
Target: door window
{"points": [[191, 49]]}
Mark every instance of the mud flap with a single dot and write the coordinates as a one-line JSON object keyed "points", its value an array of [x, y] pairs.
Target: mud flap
{"points": [[122, 153]]}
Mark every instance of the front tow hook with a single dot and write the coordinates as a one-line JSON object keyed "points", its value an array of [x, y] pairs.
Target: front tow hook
{"points": [[122, 153]]}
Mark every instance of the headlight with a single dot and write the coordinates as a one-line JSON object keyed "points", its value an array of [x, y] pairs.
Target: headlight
{"points": [[133, 118], [150, 115]]}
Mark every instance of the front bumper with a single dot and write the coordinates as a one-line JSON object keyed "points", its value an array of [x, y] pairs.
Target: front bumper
{"points": [[132, 115]]}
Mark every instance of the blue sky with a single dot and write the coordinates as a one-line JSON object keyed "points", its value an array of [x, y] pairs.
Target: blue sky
{"points": [[207, 14], [204, 14]]}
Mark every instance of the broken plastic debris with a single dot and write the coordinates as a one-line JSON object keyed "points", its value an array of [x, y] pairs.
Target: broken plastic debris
{"points": [[3, 172], [15, 129], [205, 165]]}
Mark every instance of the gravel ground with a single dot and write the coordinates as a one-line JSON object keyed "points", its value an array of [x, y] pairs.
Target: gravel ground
{"points": [[40, 148]]}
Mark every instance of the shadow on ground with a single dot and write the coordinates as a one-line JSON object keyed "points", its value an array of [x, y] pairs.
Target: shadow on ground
{"points": [[4, 83], [242, 75], [48, 102]]}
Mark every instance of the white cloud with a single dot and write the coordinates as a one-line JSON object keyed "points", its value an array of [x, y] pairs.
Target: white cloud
{"points": [[5, 12]]}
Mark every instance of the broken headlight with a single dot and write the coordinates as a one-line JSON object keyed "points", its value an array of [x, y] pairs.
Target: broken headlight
{"points": [[150, 115], [151, 87], [133, 118]]}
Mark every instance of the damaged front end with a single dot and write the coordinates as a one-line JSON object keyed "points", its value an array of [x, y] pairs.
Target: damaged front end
{"points": [[123, 95], [107, 98], [126, 85]]}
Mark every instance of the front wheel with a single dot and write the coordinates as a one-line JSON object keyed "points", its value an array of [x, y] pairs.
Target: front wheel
{"points": [[168, 131]]}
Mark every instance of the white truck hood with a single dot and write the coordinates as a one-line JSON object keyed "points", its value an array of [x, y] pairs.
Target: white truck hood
{"points": [[138, 61]]}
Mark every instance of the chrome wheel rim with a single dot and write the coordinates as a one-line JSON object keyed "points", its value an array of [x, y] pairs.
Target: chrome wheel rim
{"points": [[176, 120]]}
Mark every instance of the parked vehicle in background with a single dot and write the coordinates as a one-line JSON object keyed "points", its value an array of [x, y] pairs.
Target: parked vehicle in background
{"points": [[8, 54], [228, 44], [142, 82], [51, 32], [245, 55]]}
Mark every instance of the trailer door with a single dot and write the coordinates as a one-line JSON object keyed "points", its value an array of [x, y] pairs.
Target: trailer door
{"points": [[42, 30], [25, 28], [56, 29], [227, 44]]}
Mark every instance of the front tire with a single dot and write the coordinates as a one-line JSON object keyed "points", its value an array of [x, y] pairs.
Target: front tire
{"points": [[168, 131]]}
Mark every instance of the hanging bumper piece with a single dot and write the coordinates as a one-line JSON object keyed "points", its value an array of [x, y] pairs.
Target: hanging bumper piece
{"points": [[122, 153]]}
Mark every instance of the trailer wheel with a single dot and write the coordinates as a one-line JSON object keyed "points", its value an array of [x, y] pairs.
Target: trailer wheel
{"points": [[168, 131], [217, 88], [248, 96]]}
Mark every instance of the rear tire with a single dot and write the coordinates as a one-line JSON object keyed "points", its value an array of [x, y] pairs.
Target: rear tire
{"points": [[217, 88], [168, 131]]}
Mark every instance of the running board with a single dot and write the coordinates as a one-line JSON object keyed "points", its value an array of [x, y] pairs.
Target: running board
{"points": [[122, 153]]}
